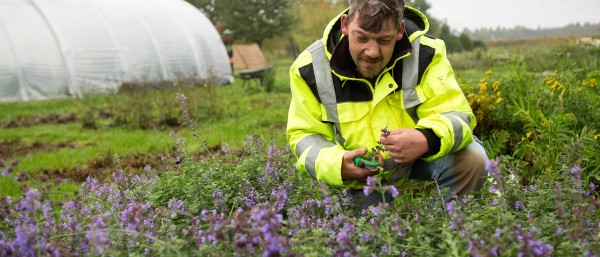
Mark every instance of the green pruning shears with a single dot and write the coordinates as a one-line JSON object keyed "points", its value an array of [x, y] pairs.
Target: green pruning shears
{"points": [[371, 164]]}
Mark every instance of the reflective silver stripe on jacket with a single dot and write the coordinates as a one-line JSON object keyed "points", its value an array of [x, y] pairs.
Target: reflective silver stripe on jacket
{"points": [[325, 87], [307, 142], [311, 157], [410, 78], [456, 118]]}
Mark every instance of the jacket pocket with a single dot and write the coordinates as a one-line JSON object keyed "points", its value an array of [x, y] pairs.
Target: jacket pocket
{"points": [[403, 106], [354, 123], [406, 98]]}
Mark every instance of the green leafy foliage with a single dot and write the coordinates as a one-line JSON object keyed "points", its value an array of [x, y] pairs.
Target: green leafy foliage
{"points": [[228, 180]]}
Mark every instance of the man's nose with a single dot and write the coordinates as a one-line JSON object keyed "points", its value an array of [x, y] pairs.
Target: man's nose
{"points": [[372, 49]]}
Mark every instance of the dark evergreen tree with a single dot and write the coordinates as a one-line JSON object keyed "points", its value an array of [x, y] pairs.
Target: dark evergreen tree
{"points": [[452, 42], [250, 21], [465, 42]]}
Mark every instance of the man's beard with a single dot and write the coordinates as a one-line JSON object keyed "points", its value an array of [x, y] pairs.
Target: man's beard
{"points": [[373, 66]]}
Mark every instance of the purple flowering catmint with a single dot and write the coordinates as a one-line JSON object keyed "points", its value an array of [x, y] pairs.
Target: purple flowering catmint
{"points": [[125, 215], [368, 190], [97, 240], [540, 248], [370, 187], [272, 151], [493, 188], [575, 170], [450, 208], [498, 233], [371, 181], [392, 190], [519, 206], [46, 208], [417, 218], [341, 237], [492, 167], [31, 202], [494, 251], [365, 236], [496, 202], [131, 227], [25, 239], [376, 210], [218, 198], [338, 219], [6, 171], [177, 206]]}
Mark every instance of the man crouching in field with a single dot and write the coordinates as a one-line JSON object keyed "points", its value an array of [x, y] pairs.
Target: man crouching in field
{"points": [[373, 70]]}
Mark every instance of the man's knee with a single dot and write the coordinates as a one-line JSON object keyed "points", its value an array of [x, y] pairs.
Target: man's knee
{"points": [[470, 162]]}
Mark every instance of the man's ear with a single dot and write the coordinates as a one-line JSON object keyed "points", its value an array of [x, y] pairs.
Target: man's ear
{"points": [[345, 24], [400, 32]]}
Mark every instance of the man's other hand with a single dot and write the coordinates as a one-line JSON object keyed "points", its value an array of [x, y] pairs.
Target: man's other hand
{"points": [[405, 145]]}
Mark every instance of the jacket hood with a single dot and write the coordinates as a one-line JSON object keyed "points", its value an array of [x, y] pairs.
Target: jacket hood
{"points": [[336, 44], [416, 24]]}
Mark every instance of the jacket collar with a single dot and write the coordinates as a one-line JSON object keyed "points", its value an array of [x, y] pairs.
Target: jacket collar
{"points": [[341, 62]]}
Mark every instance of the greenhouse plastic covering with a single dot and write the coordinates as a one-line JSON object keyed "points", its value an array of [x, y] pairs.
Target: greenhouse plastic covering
{"points": [[72, 48]]}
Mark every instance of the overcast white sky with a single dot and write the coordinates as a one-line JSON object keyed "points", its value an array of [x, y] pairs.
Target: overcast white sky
{"points": [[473, 14]]}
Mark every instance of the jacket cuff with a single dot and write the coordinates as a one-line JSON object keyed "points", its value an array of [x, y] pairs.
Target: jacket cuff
{"points": [[433, 142]]}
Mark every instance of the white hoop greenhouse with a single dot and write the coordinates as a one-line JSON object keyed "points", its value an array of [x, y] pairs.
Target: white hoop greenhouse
{"points": [[72, 48]]}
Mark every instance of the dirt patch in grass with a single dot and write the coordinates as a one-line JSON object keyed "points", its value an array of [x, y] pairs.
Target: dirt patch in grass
{"points": [[103, 168], [52, 118], [10, 149]]}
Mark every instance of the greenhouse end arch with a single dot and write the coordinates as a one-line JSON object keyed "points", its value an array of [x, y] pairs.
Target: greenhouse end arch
{"points": [[72, 48]]}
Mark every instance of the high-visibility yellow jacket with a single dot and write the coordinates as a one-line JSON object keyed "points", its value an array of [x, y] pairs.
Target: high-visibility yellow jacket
{"points": [[417, 89]]}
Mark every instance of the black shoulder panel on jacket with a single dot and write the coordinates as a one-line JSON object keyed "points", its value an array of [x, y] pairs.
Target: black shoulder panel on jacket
{"points": [[352, 91], [308, 75], [425, 57]]}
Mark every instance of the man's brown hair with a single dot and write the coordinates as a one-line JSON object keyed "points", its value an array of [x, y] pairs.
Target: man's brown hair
{"points": [[373, 13]]}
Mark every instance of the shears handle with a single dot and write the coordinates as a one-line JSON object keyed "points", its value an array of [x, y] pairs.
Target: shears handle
{"points": [[364, 162]]}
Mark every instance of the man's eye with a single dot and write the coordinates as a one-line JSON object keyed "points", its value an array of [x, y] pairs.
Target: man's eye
{"points": [[362, 39], [384, 41]]}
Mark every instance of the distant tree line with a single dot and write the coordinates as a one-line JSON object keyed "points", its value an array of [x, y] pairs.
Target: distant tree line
{"points": [[577, 29]]}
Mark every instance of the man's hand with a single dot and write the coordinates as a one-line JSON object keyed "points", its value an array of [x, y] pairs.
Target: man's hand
{"points": [[353, 172], [405, 145]]}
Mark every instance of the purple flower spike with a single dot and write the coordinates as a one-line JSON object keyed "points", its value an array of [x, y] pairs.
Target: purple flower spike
{"points": [[450, 208], [492, 167], [575, 170]]}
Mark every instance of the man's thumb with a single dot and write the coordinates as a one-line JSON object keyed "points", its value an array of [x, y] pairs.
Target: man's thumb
{"points": [[359, 152]]}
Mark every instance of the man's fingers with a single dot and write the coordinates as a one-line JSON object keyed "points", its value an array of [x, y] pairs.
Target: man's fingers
{"points": [[380, 159], [397, 131]]}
